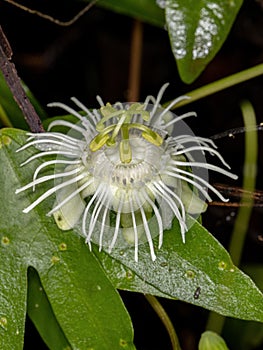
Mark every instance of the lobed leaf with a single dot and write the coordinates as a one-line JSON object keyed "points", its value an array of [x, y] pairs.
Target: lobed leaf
{"points": [[199, 272], [87, 307], [84, 302]]}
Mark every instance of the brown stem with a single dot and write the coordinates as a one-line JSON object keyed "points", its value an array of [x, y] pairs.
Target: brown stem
{"points": [[13, 81], [135, 65]]}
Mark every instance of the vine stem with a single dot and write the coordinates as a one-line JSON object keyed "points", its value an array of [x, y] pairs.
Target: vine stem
{"points": [[14, 83], [50, 18], [216, 321], [249, 184], [221, 84], [153, 301]]}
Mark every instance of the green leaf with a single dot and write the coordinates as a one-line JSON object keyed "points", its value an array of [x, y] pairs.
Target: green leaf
{"points": [[145, 10], [243, 335], [199, 272], [197, 30], [41, 314], [87, 307]]}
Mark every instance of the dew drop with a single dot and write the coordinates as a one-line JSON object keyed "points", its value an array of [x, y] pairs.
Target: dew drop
{"points": [[5, 240], [6, 140], [129, 275], [98, 287], [3, 322], [123, 343], [55, 259], [222, 265], [62, 246], [189, 274], [36, 306]]}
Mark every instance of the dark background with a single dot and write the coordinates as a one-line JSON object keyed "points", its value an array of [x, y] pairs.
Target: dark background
{"points": [[93, 57]]}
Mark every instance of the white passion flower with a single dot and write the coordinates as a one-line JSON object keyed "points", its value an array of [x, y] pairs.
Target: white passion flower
{"points": [[124, 172]]}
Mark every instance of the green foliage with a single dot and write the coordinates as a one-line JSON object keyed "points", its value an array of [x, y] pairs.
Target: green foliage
{"points": [[145, 10], [71, 293], [211, 341], [79, 284], [197, 29], [81, 296], [198, 272], [243, 335]]}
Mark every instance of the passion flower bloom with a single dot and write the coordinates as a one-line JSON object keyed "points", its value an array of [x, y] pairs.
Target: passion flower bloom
{"points": [[123, 172]]}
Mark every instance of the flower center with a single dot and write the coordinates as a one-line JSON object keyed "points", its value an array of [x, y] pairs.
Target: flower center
{"points": [[132, 175], [120, 130]]}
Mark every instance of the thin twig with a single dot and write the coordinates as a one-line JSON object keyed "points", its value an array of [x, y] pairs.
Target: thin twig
{"points": [[235, 204], [14, 83], [219, 85], [135, 61], [50, 18], [165, 320]]}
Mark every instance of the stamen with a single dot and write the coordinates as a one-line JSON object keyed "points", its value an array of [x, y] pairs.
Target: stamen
{"points": [[84, 108], [173, 207], [173, 103], [99, 99], [106, 210], [194, 183], [48, 144], [66, 108], [55, 135], [53, 162], [49, 153], [51, 191], [181, 139], [69, 197], [96, 211], [117, 224], [83, 132], [84, 220], [146, 228], [175, 196], [202, 148], [207, 166], [47, 178], [158, 216], [134, 225], [200, 179], [177, 119], [158, 99]]}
